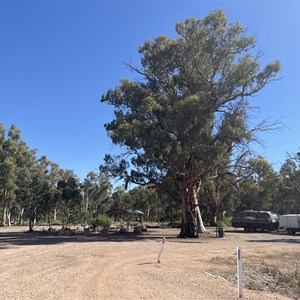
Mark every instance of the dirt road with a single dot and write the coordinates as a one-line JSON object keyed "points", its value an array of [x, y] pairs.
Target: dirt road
{"points": [[115, 266]]}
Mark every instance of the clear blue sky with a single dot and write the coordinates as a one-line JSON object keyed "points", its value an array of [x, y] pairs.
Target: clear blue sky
{"points": [[58, 57]]}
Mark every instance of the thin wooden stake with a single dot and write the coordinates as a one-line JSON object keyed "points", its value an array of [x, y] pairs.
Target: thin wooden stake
{"points": [[161, 250]]}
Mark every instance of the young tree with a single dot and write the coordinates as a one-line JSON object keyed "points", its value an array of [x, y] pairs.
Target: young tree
{"points": [[53, 175], [39, 190], [188, 113], [218, 196], [96, 190], [70, 199], [26, 163]]}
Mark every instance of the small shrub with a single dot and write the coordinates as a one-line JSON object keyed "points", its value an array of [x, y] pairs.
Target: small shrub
{"points": [[105, 221], [95, 223], [102, 220]]}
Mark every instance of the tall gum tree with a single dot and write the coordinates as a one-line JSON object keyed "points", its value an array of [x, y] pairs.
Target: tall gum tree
{"points": [[188, 112], [10, 153]]}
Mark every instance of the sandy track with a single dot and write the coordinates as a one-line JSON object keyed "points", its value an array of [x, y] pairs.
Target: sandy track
{"points": [[122, 267]]}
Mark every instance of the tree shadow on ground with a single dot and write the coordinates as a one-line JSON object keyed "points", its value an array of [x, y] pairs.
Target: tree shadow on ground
{"points": [[249, 232], [12, 239], [285, 240]]}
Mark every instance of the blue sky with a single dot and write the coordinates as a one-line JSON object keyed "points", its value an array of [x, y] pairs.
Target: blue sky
{"points": [[58, 57]]}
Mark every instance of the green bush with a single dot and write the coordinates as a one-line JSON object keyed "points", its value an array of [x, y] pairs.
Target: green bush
{"points": [[105, 221], [95, 223], [102, 220]]}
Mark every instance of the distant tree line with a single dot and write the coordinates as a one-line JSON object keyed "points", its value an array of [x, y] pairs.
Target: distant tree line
{"points": [[35, 190], [258, 187]]}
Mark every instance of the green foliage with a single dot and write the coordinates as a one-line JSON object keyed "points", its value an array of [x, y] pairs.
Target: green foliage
{"points": [[105, 221], [69, 199], [258, 188], [120, 199], [96, 190], [102, 220], [148, 201], [95, 223], [15, 161], [187, 119], [289, 187], [226, 221]]}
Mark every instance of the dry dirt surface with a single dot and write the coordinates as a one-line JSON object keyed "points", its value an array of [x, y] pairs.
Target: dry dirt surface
{"points": [[41, 265]]}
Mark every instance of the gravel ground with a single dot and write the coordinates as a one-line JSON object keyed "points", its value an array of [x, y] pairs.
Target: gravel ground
{"points": [[115, 266]]}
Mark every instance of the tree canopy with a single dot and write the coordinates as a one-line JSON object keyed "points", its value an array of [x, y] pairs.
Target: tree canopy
{"points": [[186, 119]]}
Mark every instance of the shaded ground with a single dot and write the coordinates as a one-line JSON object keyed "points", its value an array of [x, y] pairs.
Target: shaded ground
{"points": [[115, 266]]}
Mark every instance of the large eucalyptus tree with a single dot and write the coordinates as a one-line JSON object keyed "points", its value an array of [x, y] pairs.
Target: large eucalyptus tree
{"points": [[188, 113]]}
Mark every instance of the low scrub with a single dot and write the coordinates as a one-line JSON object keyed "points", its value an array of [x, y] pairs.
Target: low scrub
{"points": [[102, 220], [264, 276]]}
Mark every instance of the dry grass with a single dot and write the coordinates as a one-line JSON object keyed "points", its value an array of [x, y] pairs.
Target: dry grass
{"points": [[265, 275], [223, 260]]}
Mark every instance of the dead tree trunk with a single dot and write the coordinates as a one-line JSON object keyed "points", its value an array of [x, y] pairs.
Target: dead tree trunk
{"points": [[213, 214]]}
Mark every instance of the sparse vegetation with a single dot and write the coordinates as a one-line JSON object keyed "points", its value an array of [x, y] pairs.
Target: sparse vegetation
{"points": [[223, 260], [283, 278]]}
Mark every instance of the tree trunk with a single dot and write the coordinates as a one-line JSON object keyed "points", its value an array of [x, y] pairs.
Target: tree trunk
{"points": [[8, 216], [4, 208], [3, 219], [213, 215], [192, 223], [20, 222], [86, 208], [49, 221], [31, 224], [54, 214], [32, 218]]}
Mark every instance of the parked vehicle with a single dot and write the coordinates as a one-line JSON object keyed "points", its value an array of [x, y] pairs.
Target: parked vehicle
{"points": [[255, 220], [291, 223]]}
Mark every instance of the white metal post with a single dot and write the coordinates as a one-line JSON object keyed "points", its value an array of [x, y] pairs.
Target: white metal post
{"points": [[240, 272]]}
